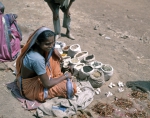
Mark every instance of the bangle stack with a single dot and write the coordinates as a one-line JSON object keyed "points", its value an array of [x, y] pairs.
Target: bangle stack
{"points": [[66, 75]]}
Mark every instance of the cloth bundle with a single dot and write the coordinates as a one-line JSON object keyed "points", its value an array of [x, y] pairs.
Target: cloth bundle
{"points": [[139, 85], [61, 107]]}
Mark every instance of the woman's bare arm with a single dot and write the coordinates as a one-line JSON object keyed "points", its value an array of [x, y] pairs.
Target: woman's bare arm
{"points": [[48, 83]]}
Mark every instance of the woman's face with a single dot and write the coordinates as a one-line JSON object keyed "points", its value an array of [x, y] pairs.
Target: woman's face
{"points": [[47, 44]]}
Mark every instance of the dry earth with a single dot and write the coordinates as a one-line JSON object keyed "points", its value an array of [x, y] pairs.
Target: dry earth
{"points": [[125, 22]]}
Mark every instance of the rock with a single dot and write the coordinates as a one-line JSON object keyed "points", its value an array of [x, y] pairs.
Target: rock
{"points": [[101, 34], [28, 5], [96, 27], [108, 38], [124, 36]]}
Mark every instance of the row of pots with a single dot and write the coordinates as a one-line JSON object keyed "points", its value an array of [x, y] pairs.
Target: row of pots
{"points": [[85, 67]]}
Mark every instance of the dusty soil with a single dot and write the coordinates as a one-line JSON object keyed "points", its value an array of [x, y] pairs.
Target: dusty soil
{"points": [[125, 23]]}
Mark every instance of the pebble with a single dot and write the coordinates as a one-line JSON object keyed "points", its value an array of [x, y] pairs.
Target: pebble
{"points": [[96, 27], [108, 38]]}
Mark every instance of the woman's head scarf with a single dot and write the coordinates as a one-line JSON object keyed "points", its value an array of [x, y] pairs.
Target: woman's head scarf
{"points": [[30, 42]]}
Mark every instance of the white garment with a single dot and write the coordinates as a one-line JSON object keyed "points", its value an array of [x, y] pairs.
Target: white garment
{"points": [[79, 102], [66, 3]]}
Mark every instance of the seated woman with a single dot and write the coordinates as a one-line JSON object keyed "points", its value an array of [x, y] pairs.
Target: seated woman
{"points": [[39, 75]]}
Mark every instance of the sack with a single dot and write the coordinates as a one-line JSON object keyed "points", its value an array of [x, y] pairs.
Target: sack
{"points": [[85, 71], [77, 68], [81, 55], [96, 78], [73, 49], [89, 59], [107, 70], [10, 37]]}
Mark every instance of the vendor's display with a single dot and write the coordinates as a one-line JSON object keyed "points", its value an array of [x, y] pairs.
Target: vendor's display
{"points": [[108, 94], [96, 78], [66, 59], [63, 55], [107, 70], [81, 55], [96, 64], [111, 85], [84, 66], [74, 49], [77, 68], [139, 95], [137, 114], [123, 103], [97, 91], [58, 47], [62, 44], [74, 61], [103, 109], [88, 59], [65, 49], [85, 72]]}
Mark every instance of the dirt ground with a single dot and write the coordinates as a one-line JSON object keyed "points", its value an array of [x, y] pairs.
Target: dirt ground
{"points": [[125, 22]]}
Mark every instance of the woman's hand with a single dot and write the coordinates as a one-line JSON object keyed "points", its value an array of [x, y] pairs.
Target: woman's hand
{"points": [[68, 75]]}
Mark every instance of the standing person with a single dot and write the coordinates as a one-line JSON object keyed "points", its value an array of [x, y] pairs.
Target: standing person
{"points": [[64, 5], [39, 76]]}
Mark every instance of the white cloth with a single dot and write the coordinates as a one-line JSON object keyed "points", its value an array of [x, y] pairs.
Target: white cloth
{"points": [[79, 102]]}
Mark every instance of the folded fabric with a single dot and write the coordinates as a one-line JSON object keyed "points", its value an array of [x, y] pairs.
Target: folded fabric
{"points": [[141, 85], [61, 107], [85, 97]]}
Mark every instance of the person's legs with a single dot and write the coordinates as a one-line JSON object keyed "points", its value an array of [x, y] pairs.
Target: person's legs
{"points": [[56, 23], [66, 23], [66, 20]]}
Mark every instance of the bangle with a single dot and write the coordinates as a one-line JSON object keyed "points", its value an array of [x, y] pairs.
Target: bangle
{"points": [[66, 75]]}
